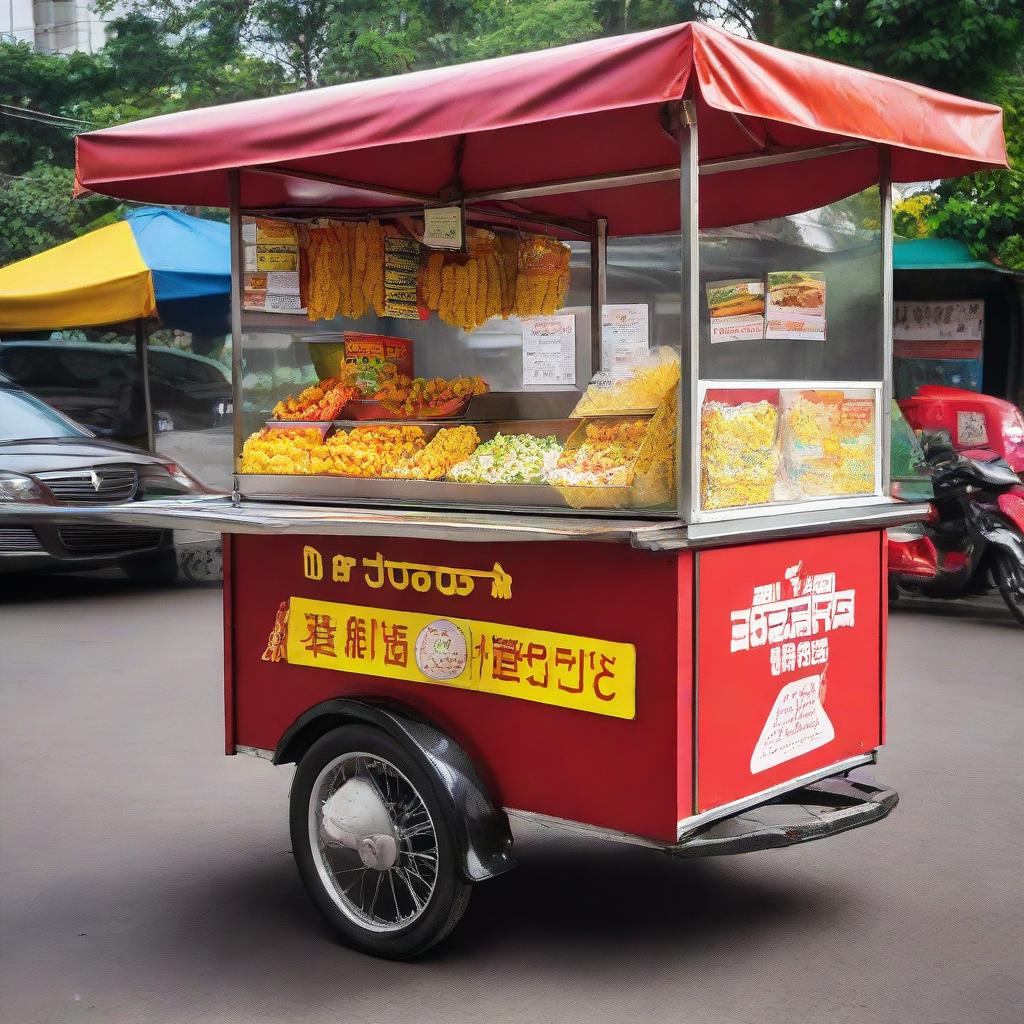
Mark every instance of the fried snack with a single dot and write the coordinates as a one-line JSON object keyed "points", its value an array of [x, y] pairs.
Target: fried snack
{"points": [[403, 396], [285, 451], [445, 449], [543, 277], [604, 458], [323, 401], [366, 451]]}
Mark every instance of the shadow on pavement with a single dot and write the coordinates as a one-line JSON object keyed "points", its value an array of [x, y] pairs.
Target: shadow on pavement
{"points": [[17, 588]]}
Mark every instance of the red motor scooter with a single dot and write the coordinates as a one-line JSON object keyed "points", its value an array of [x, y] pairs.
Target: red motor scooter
{"points": [[973, 539]]}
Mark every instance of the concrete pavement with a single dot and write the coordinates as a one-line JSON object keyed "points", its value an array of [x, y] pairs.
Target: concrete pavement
{"points": [[147, 878]]}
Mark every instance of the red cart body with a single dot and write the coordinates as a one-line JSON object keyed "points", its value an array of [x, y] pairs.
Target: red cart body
{"points": [[606, 701]]}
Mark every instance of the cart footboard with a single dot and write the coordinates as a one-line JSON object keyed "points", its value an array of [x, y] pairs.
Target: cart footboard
{"points": [[816, 811]]}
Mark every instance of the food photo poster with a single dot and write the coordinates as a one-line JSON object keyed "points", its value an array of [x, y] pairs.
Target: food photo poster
{"points": [[736, 309], [796, 305]]}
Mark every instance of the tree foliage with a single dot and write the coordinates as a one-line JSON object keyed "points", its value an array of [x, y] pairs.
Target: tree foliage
{"points": [[37, 212], [166, 55]]}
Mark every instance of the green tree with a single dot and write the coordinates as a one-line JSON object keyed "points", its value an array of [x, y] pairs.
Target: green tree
{"points": [[38, 212], [961, 46], [33, 88], [986, 210]]}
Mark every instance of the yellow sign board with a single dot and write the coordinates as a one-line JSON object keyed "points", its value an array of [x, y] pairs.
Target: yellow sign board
{"points": [[567, 671]]}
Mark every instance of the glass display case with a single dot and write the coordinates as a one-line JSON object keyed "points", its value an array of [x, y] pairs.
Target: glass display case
{"points": [[478, 378], [533, 369]]}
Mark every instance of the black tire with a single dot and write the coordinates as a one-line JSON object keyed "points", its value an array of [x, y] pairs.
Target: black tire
{"points": [[450, 896], [159, 567], [1009, 578]]}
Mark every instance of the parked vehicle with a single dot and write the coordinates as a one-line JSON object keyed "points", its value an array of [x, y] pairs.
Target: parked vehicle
{"points": [[973, 539], [48, 459], [98, 384]]}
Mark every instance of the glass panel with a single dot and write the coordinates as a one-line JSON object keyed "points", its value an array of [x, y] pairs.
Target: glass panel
{"points": [[461, 378], [190, 389], [791, 351], [762, 446], [795, 298]]}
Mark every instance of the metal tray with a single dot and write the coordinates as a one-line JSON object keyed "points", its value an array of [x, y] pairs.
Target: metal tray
{"points": [[348, 490]]}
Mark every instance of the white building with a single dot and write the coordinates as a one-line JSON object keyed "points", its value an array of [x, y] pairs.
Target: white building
{"points": [[54, 26]]}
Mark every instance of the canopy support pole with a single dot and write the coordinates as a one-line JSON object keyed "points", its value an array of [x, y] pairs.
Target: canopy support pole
{"points": [[598, 290], [142, 359], [884, 419], [237, 258], [687, 425]]}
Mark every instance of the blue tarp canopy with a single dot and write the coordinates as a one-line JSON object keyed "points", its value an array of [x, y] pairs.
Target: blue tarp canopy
{"points": [[190, 262], [153, 264]]}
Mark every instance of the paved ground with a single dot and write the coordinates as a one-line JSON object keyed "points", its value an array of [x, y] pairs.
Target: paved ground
{"points": [[148, 879]]}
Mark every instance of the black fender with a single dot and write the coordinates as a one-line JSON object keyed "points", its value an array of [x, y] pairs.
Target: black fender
{"points": [[481, 828], [999, 533]]}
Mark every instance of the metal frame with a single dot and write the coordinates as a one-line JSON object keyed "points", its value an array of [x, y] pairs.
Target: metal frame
{"points": [[885, 195], [237, 263], [598, 291], [653, 175], [687, 483], [747, 512], [142, 353], [687, 172]]}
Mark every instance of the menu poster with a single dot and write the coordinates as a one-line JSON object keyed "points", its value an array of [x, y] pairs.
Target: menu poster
{"points": [[625, 336], [401, 272], [796, 305], [272, 257], [549, 350], [261, 231], [272, 292], [939, 321], [736, 309], [444, 227]]}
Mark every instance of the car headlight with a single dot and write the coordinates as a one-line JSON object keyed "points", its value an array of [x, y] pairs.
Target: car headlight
{"points": [[15, 487]]}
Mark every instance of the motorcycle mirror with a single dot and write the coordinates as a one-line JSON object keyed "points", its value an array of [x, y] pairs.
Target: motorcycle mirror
{"points": [[935, 440]]}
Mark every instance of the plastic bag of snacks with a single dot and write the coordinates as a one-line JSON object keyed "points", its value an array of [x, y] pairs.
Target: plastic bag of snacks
{"points": [[641, 390], [828, 443], [739, 454]]}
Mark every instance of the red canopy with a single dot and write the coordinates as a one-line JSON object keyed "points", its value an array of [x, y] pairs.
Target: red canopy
{"points": [[570, 113]]}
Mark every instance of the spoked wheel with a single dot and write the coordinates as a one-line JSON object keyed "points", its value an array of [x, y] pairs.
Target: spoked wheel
{"points": [[374, 844], [1009, 577]]}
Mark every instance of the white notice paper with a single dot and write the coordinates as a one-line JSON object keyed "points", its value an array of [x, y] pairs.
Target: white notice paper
{"points": [[625, 336], [549, 350], [797, 724], [443, 227]]}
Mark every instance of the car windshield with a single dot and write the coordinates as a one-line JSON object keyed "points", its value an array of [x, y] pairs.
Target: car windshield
{"points": [[23, 416]]}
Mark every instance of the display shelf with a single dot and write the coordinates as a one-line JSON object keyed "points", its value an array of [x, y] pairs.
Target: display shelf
{"points": [[423, 493]]}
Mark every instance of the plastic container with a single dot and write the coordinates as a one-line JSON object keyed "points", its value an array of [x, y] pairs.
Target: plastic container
{"points": [[329, 352]]}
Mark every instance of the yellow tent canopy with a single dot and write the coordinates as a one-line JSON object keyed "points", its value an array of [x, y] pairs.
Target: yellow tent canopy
{"points": [[99, 278]]}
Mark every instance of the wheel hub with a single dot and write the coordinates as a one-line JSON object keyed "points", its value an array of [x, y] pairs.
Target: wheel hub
{"points": [[378, 851], [358, 818]]}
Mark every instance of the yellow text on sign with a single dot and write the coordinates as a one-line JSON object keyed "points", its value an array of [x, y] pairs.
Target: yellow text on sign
{"points": [[568, 671]]}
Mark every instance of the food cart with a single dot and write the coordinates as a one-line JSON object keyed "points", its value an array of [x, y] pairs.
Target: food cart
{"points": [[584, 520]]}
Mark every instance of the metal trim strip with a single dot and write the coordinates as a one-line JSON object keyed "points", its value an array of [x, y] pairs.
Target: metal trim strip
{"points": [[260, 752], [687, 825]]}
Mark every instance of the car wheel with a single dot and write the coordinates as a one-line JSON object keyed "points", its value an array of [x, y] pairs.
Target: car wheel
{"points": [[374, 843]]}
